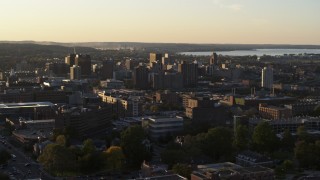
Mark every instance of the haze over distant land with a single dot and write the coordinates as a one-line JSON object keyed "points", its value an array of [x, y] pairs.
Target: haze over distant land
{"points": [[159, 47], [173, 21]]}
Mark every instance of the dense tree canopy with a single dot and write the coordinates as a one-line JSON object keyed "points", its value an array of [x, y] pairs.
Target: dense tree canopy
{"points": [[61, 140], [287, 141], [4, 156], [241, 139], [219, 143], [264, 139], [131, 143], [58, 158], [303, 134], [4, 176], [308, 154], [115, 158]]}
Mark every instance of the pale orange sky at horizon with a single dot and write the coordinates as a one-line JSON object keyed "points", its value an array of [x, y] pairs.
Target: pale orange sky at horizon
{"points": [[165, 21]]}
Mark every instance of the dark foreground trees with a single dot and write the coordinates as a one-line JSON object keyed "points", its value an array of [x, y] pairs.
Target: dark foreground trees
{"points": [[61, 160], [216, 145], [132, 144], [308, 154], [58, 159], [4, 156], [264, 139]]}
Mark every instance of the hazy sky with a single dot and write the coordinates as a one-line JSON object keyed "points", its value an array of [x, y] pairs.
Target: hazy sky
{"points": [[187, 21]]}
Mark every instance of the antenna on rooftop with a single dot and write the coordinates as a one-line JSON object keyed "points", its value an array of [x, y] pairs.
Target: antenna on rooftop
{"points": [[74, 50]]}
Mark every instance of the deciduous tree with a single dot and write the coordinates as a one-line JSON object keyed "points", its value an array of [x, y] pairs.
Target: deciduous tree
{"points": [[241, 139], [115, 158], [131, 143], [264, 139], [219, 143], [58, 159]]}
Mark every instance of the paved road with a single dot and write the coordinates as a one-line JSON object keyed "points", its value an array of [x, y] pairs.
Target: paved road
{"points": [[21, 166]]}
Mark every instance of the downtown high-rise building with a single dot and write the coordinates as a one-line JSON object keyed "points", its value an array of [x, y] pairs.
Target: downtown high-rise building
{"points": [[189, 73], [82, 60], [214, 59], [107, 69], [154, 57], [75, 72], [131, 64], [140, 77], [267, 77], [70, 59]]}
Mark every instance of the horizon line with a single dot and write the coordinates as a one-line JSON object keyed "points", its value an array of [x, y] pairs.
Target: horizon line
{"points": [[74, 42]]}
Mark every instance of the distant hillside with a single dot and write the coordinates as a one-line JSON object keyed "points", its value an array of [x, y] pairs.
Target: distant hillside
{"points": [[27, 49], [168, 47]]}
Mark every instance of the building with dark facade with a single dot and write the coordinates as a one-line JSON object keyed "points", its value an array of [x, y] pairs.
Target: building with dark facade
{"points": [[302, 108], [35, 96], [292, 124], [214, 59], [205, 110], [28, 110], [84, 61], [140, 77], [167, 80], [231, 171], [256, 100], [75, 72], [131, 64], [107, 69], [70, 59], [189, 73], [167, 97], [57, 69], [86, 122], [154, 57]]}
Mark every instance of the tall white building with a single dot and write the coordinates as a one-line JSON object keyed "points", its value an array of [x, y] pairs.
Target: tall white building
{"points": [[267, 77], [75, 72]]}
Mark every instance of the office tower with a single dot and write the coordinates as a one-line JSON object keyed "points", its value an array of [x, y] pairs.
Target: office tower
{"points": [[154, 57], [75, 72], [70, 59], [156, 67], [84, 61], [267, 77], [189, 73], [131, 64], [167, 81], [57, 69], [107, 69], [214, 59], [140, 77]]}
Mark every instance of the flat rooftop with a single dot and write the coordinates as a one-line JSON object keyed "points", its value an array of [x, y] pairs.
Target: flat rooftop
{"points": [[38, 121], [26, 104], [165, 118]]}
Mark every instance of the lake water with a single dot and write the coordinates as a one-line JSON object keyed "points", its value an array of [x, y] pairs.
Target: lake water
{"points": [[258, 52]]}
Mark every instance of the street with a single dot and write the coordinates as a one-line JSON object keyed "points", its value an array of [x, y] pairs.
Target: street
{"points": [[20, 166]]}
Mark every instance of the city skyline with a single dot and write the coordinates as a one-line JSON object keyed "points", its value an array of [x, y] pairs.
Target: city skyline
{"points": [[175, 21]]}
